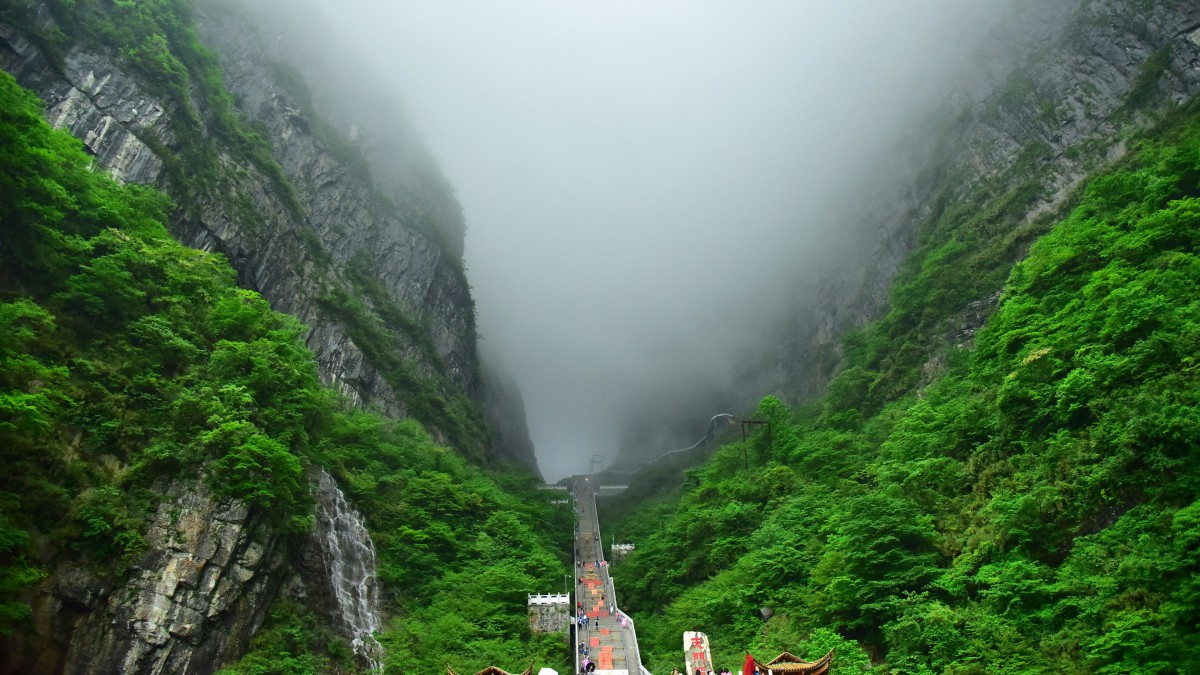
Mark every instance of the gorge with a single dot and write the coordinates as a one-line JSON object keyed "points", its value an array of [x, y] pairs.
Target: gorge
{"points": [[250, 424]]}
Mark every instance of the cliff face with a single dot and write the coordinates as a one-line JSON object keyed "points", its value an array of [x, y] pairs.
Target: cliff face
{"points": [[372, 268], [189, 604], [355, 232], [505, 413], [264, 74], [1053, 93], [363, 243], [365, 255]]}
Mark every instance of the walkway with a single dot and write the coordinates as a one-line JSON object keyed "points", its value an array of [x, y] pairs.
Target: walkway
{"points": [[612, 648]]}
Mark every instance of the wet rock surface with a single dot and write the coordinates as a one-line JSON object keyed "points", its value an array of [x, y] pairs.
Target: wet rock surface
{"points": [[188, 605], [342, 555]]}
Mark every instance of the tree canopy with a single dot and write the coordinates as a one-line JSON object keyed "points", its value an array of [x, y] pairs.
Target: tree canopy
{"points": [[1032, 508]]}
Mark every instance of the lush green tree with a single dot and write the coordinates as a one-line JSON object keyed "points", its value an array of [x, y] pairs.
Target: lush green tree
{"points": [[128, 361], [1031, 509]]}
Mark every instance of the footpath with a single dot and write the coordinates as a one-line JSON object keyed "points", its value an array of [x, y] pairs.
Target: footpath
{"points": [[604, 635]]}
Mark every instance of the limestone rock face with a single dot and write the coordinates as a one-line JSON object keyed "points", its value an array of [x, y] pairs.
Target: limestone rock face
{"points": [[1078, 65], [353, 227], [319, 234], [95, 101], [365, 216], [296, 259], [188, 605]]}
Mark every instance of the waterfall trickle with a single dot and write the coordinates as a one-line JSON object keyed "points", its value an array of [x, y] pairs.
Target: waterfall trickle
{"points": [[350, 559]]}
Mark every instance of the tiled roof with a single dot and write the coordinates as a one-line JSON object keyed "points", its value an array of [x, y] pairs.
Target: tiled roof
{"points": [[493, 670], [790, 663]]}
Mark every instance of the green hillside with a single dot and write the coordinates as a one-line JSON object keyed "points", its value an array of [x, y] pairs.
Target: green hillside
{"points": [[1034, 508], [1024, 498], [127, 360]]}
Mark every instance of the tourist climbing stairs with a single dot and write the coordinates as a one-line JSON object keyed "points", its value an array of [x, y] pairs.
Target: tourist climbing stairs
{"points": [[607, 637]]}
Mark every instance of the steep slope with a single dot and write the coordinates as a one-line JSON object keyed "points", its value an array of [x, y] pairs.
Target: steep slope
{"points": [[997, 472], [1049, 95], [171, 493], [1033, 508], [367, 258], [1054, 92], [165, 433]]}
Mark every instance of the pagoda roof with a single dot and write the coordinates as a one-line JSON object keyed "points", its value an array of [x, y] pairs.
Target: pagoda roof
{"points": [[790, 663], [493, 670]]}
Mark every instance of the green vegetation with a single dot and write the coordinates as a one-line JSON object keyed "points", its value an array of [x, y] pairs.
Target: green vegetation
{"points": [[128, 361], [1028, 504], [294, 641], [1146, 83], [965, 249], [158, 41], [1033, 508]]}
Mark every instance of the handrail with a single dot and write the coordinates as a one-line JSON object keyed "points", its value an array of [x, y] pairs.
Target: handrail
{"points": [[575, 572], [633, 657]]}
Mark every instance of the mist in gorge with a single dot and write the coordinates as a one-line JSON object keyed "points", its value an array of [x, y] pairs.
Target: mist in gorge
{"points": [[647, 187], [303, 302]]}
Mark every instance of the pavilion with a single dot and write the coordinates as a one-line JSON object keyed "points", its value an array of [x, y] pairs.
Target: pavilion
{"points": [[789, 664], [493, 670]]}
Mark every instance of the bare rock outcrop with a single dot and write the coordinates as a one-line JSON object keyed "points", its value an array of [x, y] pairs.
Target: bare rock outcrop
{"points": [[189, 604], [1074, 79]]}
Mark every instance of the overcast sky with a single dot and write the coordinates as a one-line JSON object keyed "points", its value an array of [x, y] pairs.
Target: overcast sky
{"points": [[626, 167]]}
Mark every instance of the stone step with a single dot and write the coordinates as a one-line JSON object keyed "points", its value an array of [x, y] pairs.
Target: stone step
{"points": [[608, 648]]}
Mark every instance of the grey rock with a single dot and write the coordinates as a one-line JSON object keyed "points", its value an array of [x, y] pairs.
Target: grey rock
{"points": [[505, 411], [78, 585], [186, 606], [294, 259], [1084, 59]]}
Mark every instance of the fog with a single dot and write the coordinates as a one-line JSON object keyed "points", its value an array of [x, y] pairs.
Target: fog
{"points": [[642, 180]]}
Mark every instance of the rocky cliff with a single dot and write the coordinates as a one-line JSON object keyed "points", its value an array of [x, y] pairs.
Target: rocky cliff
{"points": [[505, 412], [1052, 93], [368, 259], [358, 238], [191, 602], [275, 74], [1054, 90]]}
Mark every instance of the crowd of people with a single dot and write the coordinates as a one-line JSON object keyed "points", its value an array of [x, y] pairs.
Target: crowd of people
{"points": [[589, 561]]}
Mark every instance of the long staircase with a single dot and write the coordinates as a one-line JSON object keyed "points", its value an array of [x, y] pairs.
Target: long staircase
{"points": [[611, 646]]}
